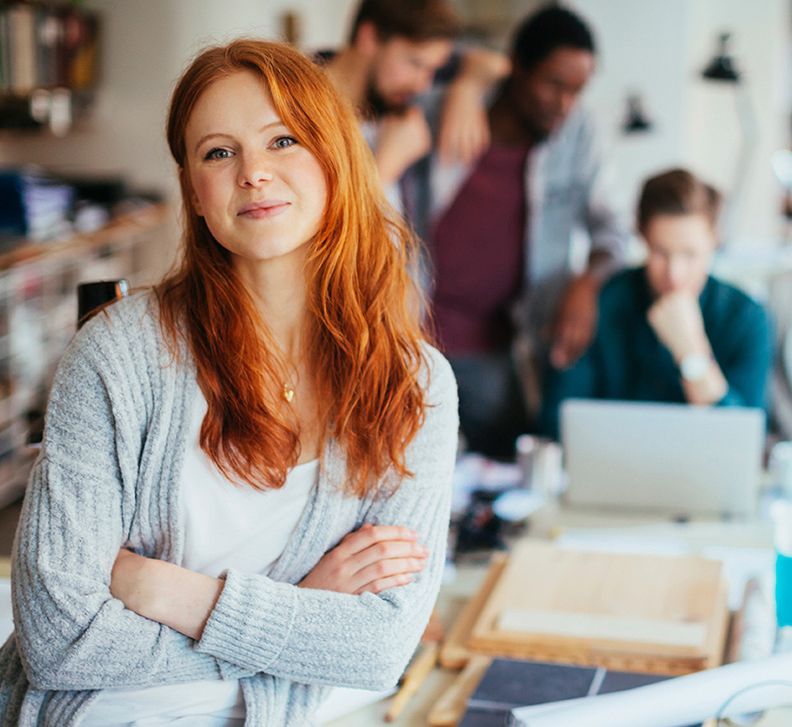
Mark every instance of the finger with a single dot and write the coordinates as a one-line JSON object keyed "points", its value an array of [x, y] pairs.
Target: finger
{"points": [[387, 550], [387, 568], [369, 534], [384, 584]]}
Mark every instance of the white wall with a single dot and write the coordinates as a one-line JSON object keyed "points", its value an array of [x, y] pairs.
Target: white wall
{"points": [[659, 48]]}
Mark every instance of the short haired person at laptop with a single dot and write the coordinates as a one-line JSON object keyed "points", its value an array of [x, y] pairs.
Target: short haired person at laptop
{"points": [[669, 331]]}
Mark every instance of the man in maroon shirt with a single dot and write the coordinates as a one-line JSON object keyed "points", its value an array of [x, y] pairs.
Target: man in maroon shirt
{"points": [[501, 238]]}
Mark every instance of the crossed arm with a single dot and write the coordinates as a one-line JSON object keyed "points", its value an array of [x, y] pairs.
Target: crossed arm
{"points": [[372, 559]]}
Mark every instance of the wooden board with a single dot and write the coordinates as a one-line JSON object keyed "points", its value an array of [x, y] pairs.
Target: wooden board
{"points": [[450, 708], [455, 651], [656, 614]]}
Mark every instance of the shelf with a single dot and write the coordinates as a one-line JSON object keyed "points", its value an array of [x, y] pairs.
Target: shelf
{"points": [[117, 230], [48, 63], [38, 316]]}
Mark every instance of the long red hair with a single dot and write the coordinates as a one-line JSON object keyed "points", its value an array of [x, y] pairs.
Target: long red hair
{"points": [[365, 342]]}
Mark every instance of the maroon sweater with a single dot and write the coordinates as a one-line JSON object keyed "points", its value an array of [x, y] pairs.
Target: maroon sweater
{"points": [[478, 255]]}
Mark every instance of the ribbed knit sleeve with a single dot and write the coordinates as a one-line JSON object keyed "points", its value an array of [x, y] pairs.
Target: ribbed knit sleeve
{"points": [[71, 633], [322, 637]]}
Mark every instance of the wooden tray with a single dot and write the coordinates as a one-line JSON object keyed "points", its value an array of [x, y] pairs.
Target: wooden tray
{"points": [[656, 614]]}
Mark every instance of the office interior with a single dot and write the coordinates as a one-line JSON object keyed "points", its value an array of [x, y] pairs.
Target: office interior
{"points": [[654, 110]]}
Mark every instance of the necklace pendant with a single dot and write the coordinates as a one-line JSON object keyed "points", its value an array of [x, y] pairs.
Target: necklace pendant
{"points": [[288, 393]]}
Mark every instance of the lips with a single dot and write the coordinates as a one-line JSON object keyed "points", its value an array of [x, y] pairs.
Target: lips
{"points": [[263, 209]]}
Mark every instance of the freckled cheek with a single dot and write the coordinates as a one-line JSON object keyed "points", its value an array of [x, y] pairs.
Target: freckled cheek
{"points": [[211, 197]]}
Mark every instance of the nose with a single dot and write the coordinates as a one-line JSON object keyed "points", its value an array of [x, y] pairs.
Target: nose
{"points": [[254, 170]]}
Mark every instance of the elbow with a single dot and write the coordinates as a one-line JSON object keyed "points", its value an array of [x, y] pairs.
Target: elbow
{"points": [[381, 675], [48, 677], [391, 670], [48, 667], [42, 681], [42, 675], [387, 664]]}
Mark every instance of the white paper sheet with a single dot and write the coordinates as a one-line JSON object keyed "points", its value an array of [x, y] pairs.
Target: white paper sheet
{"points": [[674, 703]]}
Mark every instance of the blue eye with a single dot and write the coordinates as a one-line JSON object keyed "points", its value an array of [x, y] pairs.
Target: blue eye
{"points": [[284, 142], [217, 153]]}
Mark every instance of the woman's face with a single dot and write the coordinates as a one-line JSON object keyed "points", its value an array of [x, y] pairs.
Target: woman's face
{"points": [[261, 193], [680, 253]]}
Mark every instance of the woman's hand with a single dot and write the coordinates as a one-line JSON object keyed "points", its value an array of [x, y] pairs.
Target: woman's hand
{"points": [[371, 559]]}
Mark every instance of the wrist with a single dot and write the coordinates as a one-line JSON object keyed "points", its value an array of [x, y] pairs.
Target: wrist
{"points": [[470, 85], [694, 367], [697, 347]]}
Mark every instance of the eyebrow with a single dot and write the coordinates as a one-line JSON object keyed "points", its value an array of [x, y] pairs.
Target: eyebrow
{"points": [[206, 137]]}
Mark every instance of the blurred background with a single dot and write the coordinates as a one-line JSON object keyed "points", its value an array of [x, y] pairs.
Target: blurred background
{"points": [[83, 94]]}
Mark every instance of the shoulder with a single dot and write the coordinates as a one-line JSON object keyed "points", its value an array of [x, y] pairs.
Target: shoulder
{"points": [[623, 288], [436, 377], [121, 340], [732, 304], [134, 318]]}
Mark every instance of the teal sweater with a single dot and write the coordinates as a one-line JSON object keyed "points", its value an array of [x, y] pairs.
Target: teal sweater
{"points": [[626, 361], [108, 477]]}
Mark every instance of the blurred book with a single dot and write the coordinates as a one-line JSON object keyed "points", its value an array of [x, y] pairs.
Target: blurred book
{"points": [[33, 205], [47, 46]]}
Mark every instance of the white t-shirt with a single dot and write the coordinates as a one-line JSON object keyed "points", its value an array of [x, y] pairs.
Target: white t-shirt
{"points": [[226, 526]]}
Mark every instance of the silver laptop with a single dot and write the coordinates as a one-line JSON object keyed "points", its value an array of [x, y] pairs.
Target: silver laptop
{"points": [[678, 459]]}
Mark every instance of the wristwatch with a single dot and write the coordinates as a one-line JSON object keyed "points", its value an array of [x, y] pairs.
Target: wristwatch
{"points": [[694, 366]]}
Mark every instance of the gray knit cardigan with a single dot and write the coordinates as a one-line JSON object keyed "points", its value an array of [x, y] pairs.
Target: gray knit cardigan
{"points": [[108, 476]]}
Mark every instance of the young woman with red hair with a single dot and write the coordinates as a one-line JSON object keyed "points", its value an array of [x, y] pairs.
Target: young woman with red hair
{"points": [[243, 491]]}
